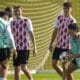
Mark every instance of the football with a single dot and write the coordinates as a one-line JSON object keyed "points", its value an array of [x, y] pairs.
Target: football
{"points": [[62, 56]]}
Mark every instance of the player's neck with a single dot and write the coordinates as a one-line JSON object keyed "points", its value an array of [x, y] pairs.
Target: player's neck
{"points": [[66, 15], [19, 17]]}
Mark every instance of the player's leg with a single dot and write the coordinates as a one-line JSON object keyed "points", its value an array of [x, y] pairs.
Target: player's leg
{"points": [[64, 70], [17, 73], [4, 70], [24, 63], [26, 71], [69, 69], [17, 67], [55, 65], [55, 61], [4, 58]]}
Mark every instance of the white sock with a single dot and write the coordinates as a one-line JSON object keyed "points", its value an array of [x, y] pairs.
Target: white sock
{"points": [[31, 79], [3, 79]]}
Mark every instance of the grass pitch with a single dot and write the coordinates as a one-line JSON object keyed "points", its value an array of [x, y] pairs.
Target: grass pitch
{"points": [[53, 76]]}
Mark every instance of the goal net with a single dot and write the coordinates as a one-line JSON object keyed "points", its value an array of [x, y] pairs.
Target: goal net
{"points": [[43, 14]]}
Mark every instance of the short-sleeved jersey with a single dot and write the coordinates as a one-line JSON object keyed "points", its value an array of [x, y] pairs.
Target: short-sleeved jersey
{"points": [[75, 48], [5, 41], [63, 34], [20, 29]]}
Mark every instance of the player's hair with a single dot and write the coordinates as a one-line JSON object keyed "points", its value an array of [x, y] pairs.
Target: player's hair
{"points": [[2, 14], [67, 4], [74, 27], [17, 7], [8, 9]]}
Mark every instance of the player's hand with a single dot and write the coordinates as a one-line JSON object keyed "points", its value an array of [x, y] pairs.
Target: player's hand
{"points": [[34, 52], [50, 48], [69, 57]]}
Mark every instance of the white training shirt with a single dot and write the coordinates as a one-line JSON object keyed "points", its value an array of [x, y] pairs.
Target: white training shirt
{"points": [[63, 34], [20, 29], [10, 33]]}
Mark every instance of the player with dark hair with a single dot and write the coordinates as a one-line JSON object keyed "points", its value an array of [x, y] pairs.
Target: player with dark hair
{"points": [[5, 45], [9, 11], [74, 54], [62, 33]]}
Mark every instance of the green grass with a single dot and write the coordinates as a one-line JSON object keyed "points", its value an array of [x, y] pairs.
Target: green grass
{"points": [[53, 76]]}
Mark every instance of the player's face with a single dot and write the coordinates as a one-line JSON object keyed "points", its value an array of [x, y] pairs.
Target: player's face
{"points": [[18, 12], [5, 17], [9, 13], [67, 10]]}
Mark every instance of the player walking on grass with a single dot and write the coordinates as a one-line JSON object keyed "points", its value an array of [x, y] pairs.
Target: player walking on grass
{"points": [[5, 45], [22, 30], [62, 33]]}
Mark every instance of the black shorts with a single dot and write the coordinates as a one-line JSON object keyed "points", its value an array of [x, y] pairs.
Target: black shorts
{"points": [[22, 57], [4, 53], [57, 52]]}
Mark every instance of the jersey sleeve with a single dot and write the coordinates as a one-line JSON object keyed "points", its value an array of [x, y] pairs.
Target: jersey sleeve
{"points": [[74, 20], [56, 23], [29, 25]]}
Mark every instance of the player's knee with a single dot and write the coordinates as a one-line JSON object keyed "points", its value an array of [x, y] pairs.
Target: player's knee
{"points": [[54, 65], [4, 66], [23, 68], [67, 71], [17, 70]]}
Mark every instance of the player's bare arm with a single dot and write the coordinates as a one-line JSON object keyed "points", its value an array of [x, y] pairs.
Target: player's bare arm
{"points": [[34, 43], [70, 56], [54, 34]]}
